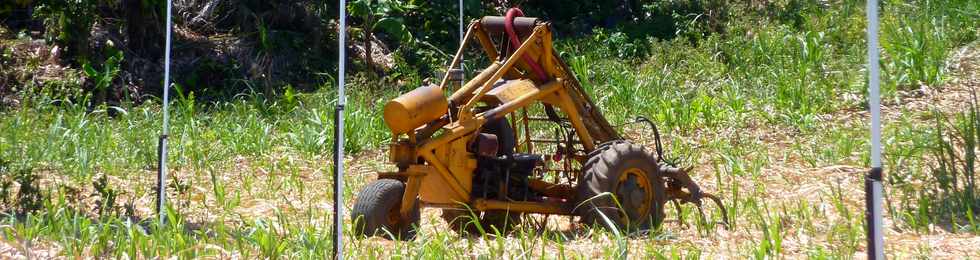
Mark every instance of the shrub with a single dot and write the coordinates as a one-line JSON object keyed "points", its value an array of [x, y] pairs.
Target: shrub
{"points": [[68, 24]]}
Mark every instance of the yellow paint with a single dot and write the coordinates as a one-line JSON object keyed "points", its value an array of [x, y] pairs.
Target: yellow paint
{"points": [[510, 91], [438, 168], [415, 108]]}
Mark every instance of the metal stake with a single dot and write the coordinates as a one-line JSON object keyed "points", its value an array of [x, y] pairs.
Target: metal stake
{"points": [[461, 38], [872, 182], [338, 147], [162, 144]]}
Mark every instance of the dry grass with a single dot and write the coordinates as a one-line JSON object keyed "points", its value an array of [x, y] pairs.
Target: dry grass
{"points": [[785, 184]]}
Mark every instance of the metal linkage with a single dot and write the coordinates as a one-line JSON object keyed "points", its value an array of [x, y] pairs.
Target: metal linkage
{"points": [[677, 181]]}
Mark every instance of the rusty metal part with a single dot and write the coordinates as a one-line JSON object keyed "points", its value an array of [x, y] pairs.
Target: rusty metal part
{"points": [[523, 206], [721, 207], [402, 153], [564, 191], [486, 145], [495, 25], [682, 189], [678, 179], [677, 207]]}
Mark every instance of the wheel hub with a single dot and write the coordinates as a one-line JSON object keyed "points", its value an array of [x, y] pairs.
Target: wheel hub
{"points": [[394, 215], [634, 193]]}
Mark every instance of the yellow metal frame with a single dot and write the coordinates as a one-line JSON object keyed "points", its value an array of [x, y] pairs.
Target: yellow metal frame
{"points": [[439, 169]]}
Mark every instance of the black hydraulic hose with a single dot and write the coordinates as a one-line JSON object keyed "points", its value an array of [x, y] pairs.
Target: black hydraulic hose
{"points": [[656, 135]]}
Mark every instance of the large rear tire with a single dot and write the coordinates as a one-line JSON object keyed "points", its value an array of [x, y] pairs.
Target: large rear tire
{"points": [[376, 211], [621, 187]]}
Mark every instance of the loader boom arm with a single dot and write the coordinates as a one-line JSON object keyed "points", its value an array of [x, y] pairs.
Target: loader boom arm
{"points": [[536, 38], [595, 121]]}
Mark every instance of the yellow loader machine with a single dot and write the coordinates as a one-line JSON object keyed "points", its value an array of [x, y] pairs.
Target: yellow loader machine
{"points": [[520, 137]]}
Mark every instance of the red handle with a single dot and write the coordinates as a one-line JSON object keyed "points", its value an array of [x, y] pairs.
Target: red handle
{"points": [[512, 34]]}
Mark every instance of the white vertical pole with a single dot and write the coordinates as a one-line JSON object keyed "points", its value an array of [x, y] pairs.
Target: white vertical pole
{"points": [[873, 83], [872, 186], [162, 144], [461, 35], [461, 22], [338, 172]]}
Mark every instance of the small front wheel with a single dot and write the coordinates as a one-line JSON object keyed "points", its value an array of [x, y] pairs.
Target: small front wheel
{"points": [[376, 211]]}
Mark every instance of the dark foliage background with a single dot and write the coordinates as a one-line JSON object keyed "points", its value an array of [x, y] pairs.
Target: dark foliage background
{"points": [[226, 47]]}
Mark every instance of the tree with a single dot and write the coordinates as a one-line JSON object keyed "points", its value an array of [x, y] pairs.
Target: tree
{"points": [[144, 26], [369, 10]]}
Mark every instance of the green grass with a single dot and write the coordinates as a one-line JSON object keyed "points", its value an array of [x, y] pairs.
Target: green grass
{"points": [[763, 73]]}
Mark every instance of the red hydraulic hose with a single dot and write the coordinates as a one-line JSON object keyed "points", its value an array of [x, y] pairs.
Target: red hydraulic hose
{"points": [[512, 34]]}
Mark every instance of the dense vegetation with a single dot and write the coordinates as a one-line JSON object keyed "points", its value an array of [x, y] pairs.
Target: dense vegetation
{"points": [[228, 47], [744, 89]]}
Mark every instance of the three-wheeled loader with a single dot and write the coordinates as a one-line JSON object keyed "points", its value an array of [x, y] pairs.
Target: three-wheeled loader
{"points": [[520, 137]]}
